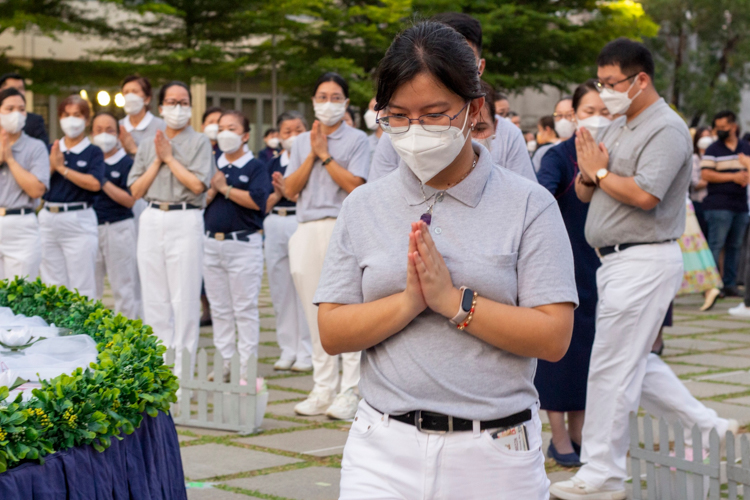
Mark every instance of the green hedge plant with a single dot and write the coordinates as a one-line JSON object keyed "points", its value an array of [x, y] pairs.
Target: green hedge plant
{"points": [[92, 405]]}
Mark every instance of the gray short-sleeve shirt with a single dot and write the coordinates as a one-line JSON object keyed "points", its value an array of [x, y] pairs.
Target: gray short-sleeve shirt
{"points": [[322, 197], [147, 127], [501, 235], [33, 156], [656, 150], [193, 151]]}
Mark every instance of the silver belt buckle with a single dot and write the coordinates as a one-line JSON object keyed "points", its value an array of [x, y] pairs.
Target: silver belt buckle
{"points": [[418, 424], [282, 212], [164, 206], [54, 210], [219, 236]]}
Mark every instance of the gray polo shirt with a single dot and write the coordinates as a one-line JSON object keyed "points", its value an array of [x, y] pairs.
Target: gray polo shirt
{"points": [[33, 156], [190, 148], [508, 150], [521, 258], [655, 148], [322, 197], [146, 128]]}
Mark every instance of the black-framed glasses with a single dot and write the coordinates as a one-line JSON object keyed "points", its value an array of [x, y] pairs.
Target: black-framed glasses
{"points": [[600, 85], [173, 102], [433, 122]]}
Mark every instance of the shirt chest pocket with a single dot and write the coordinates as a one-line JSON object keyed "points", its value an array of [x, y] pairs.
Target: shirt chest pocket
{"points": [[492, 275], [624, 167]]}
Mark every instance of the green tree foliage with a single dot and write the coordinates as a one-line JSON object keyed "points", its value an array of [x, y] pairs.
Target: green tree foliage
{"points": [[48, 16]]}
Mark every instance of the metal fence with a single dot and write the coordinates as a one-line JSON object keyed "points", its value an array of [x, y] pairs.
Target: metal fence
{"points": [[216, 404], [669, 475]]}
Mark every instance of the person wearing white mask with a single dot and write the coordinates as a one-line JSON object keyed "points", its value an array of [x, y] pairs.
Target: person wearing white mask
{"points": [[564, 118], [635, 174], [113, 206], [210, 127], [278, 227], [271, 151], [453, 276], [139, 123], [172, 172], [70, 238], [699, 187], [233, 245], [24, 177], [371, 122], [325, 165]]}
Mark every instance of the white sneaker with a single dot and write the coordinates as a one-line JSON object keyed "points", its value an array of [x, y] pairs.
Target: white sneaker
{"points": [[283, 364], [316, 403], [740, 311], [577, 489], [345, 405], [302, 367]]}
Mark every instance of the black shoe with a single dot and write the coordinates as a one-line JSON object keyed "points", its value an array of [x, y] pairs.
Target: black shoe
{"points": [[731, 291], [576, 448], [206, 322]]}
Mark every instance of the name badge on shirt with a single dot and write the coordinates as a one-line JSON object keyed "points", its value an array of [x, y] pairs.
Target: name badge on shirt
{"points": [[244, 178], [115, 174], [81, 163]]}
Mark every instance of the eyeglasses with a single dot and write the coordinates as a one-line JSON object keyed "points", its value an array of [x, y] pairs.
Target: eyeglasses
{"points": [[336, 99], [568, 116], [172, 102], [600, 85], [433, 122]]}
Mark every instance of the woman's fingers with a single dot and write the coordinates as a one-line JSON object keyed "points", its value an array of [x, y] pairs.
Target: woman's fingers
{"points": [[424, 251]]}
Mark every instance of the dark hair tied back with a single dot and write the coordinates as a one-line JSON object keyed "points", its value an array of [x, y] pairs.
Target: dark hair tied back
{"points": [[9, 92], [432, 48], [335, 78]]}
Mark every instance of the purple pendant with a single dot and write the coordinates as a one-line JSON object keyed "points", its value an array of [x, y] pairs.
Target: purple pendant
{"points": [[426, 218]]}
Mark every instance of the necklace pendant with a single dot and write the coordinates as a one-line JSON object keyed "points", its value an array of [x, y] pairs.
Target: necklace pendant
{"points": [[426, 218]]}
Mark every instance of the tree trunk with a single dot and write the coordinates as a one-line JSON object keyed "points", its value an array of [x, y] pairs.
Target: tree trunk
{"points": [[678, 60]]}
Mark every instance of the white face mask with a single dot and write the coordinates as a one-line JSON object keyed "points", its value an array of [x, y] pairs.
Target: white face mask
{"points": [[428, 153], [618, 102], [531, 146], [72, 126], [228, 141], [211, 131], [106, 142], [133, 104], [330, 113], [594, 124], [273, 143], [13, 122], [705, 142], [286, 144], [565, 128], [176, 117], [487, 142], [370, 116]]}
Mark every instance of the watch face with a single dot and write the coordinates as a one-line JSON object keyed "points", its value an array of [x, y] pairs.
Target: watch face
{"points": [[602, 173], [467, 299]]}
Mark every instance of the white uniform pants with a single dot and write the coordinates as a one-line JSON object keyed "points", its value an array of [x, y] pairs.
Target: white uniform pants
{"points": [[388, 460], [635, 288], [116, 258], [232, 272], [170, 259], [20, 246], [291, 325], [70, 241], [307, 251]]}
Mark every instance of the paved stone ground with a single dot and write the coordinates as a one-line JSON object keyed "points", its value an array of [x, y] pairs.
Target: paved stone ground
{"points": [[300, 458]]}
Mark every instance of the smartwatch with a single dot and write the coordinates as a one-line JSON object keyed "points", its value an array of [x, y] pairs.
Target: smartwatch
{"points": [[327, 161], [464, 308]]}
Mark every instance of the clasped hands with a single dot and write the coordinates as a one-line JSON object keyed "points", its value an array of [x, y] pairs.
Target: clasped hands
{"points": [[592, 157], [428, 280]]}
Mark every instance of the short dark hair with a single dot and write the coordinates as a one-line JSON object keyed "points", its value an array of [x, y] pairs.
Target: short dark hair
{"points": [[210, 111], [76, 100], [512, 114], [10, 76], [548, 122], [729, 115], [582, 90], [630, 56], [141, 80], [432, 48], [290, 115], [490, 98], [243, 119], [469, 27], [335, 78], [10, 92], [107, 113], [269, 132], [173, 83]]}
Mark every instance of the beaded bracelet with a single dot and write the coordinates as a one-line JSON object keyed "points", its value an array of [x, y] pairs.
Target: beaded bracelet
{"points": [[471, 313]]}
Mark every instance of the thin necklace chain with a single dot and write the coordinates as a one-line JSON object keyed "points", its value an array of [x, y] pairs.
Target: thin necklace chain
{"points": [[438, 195]]}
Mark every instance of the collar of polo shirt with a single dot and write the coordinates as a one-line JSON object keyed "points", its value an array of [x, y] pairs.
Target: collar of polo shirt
{"points": [[77, 149], [119, 155], [284, 161], [239, 163], [468, 191], [141, 125], [338, 133]]}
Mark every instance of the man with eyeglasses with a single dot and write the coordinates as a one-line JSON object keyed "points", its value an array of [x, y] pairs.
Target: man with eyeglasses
{"points": [[636, 180]]}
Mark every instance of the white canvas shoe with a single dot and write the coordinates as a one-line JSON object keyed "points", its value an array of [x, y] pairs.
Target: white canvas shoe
{"points": [[577, 489], [316, 403], [302, 367], [345, 405], [283, 364], [740, 311]]}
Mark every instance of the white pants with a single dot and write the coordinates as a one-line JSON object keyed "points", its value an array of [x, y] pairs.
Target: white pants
{"points": [[635, 288], [70, 241], [20, 246], [307, 250], [116, 258], [170, 258], [232, 272], [291, 325], [388, 460]]}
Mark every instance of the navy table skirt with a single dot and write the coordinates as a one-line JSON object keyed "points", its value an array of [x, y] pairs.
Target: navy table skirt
{"points": [[145, 465]]}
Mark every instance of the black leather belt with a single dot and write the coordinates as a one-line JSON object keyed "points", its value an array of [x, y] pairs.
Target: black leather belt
{"points": [[604, 251], [15, 211], [430, 422], [67, 207], [284, 211], [173, 206], [237, 235]]}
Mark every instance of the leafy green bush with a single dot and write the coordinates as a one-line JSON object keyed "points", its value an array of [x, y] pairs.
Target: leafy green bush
{"points": [[89, 406]]}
